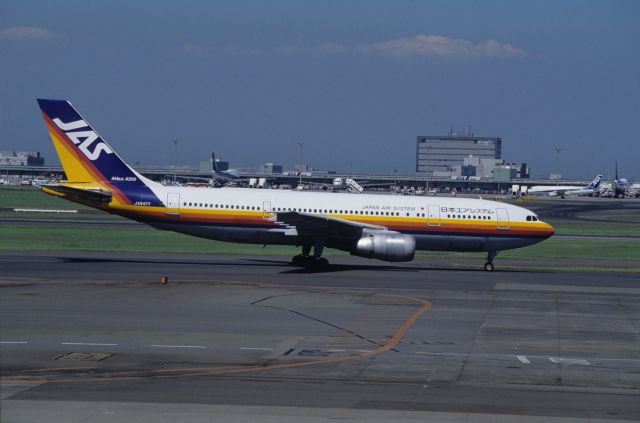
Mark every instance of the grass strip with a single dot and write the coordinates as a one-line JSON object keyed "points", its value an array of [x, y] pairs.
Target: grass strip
{"points": [[137, 239], [588, 249], [142, 239], [596, 228], [28, 197], [625, 218]]}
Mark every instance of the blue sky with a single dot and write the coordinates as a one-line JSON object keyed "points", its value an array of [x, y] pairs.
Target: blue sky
{"points": [[357, 81]]}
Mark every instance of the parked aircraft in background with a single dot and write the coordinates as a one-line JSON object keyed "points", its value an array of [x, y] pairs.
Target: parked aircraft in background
{"points": [[622, 188], [342, 184], [384, 227], [352, 185], [223, 177], [347, 184], [563, 190]]}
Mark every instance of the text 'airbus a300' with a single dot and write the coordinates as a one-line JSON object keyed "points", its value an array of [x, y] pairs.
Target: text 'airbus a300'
{"points": [[383, 227]]}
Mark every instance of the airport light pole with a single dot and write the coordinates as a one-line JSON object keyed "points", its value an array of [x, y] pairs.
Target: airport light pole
{"points": [[301, 145], [395, 180], [558, 150], [175, 163]]}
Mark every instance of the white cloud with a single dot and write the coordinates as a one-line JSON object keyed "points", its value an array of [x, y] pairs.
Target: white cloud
{"points": [[419, 45], [18, 33], [439, 45]]}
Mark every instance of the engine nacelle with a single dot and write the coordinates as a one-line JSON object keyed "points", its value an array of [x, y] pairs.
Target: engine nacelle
{"points": [[385, 245]]}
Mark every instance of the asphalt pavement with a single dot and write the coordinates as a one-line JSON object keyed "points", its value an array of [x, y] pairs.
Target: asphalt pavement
{"points": [[92, 336]]}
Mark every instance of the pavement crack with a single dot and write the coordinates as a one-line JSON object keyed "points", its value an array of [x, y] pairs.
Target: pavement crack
{"points": [[313, 318], [475, 339], [629, 318], [558, 339]]}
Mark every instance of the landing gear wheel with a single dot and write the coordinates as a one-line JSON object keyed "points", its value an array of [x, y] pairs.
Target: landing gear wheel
{"points": [[299, 260], [306, 260], [488, 266], [319, 262]]}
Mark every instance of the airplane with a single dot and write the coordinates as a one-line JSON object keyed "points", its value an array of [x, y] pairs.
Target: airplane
{"points": [[219, 178], [622, 188], [562, 190], [385, 227], [347, 184], [223, 177], [339, 184]]}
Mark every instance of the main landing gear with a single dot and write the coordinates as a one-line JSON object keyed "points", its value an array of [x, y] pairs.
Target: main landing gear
{"points": [[307, 260], [488, 266]]}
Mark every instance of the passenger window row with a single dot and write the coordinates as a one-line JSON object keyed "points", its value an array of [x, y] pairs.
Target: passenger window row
{"points": [[220, 206], [465, 216], [295, 209], [302, 210], [332, 211]]}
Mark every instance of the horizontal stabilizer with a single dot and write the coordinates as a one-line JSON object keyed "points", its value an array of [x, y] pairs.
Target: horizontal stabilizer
{"points": [[91, 195]]}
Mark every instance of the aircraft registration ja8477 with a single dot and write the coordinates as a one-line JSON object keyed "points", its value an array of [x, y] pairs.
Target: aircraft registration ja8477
{"points": [[383, 227]]}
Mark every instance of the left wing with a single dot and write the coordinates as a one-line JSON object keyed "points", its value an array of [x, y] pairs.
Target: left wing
{"points": [[319, 224]]}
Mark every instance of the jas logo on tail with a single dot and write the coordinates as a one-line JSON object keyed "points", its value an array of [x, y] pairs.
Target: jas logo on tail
{"points": [[83, 139]]}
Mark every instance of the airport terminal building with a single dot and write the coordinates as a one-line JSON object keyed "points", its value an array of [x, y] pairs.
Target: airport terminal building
{"points": [[444, 155], [21, 158]]}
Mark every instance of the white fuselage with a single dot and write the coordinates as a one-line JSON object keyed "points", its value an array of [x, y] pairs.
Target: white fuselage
{"points": [[559, 190], [437, 223]]}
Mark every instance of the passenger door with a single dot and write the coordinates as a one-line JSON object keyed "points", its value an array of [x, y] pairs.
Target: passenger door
{"points": [[173, 202], [503, 219], [266, 209], [434, 216]]}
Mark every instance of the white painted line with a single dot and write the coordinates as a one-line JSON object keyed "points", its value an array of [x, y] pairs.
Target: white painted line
{"points": [[443, 354], [256, 348], [13, 342], [512, 286], [88, 343], [523, 359], [44, 211], [569, 361], [177, 346]]}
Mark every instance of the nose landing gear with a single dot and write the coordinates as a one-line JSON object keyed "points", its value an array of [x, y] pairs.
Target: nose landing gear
{"points": [[488, 266]]}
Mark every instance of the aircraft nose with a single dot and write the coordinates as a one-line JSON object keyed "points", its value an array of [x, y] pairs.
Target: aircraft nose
{"points": [[549, 230]]}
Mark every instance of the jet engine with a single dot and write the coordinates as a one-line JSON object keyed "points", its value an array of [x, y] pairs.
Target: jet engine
{"points": [[385, 245]]}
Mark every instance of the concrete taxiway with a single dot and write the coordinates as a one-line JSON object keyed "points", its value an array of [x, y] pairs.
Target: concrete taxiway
{"points": [[97, 337]]}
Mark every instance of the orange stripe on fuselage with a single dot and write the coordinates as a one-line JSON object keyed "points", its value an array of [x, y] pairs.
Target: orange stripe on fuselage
{"points": [[401, 224]]}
